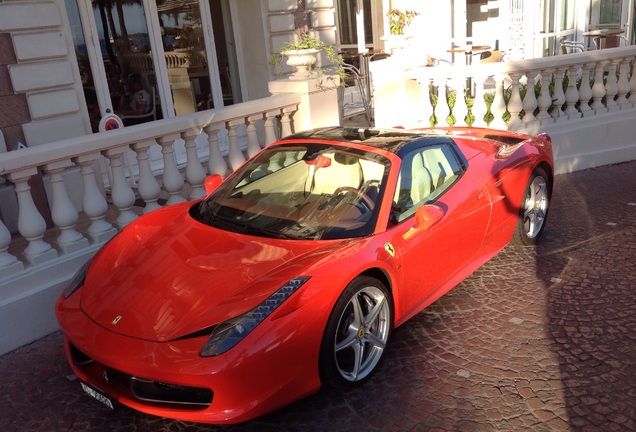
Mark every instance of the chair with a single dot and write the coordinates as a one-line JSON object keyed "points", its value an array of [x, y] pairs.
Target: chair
{"points": [[492, 56], [609, 41], [570, 47], [355, 79]]}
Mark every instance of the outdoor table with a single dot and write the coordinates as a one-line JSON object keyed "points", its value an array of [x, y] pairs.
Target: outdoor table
{"points": [[604, 38], [469, 51]]}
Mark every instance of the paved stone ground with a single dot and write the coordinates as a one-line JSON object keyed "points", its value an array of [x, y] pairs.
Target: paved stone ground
{"points": [[540, 339]]}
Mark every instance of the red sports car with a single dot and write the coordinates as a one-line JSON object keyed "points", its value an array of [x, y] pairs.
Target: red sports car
{"points": [[294, 271]]}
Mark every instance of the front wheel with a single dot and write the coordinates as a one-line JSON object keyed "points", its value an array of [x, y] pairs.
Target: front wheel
{"points": [[534, 209], [357, 333]]}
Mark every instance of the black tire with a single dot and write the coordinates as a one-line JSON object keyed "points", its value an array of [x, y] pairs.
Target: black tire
{"points": [[357, 333], [533, 211]]}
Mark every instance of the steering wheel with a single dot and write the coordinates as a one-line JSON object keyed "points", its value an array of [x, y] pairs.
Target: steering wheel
{"points": [[365, 200]]}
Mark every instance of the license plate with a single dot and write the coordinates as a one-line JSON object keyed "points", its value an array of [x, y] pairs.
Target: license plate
{"points": [[97, 395]]}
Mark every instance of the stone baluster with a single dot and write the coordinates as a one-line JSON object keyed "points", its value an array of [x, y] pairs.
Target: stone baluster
{"points": [[63, 211], [235, 157], [572, 94], [585, 91], [460, 110], [515, 104], [9, 264], [530, 102], [498, 107], [598, 89], [285, 120], [623, 85], [434, 92], [270, 127], [611, 87], [172, 179], [121, 193], [253, 146], [558, 98], [427, 107], [216, 161], [93, 202], [194, 172], [290, 158], [31, 224], [479, 109], [545, 99], [632, 83], [443, 107], [148, 188]]}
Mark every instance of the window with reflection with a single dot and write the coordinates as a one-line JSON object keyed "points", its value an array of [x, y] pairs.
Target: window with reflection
{"points": [[86, 73], [186, 58], [125, 45], [610, 13]]}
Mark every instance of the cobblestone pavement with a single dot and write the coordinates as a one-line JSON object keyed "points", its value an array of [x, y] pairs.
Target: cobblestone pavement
{"points": [[538, 339]]}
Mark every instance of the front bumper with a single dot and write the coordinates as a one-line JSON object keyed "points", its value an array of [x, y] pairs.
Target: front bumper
{"points": [[267, 370]]}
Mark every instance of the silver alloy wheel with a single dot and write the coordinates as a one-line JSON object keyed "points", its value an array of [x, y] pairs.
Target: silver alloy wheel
{"points": [[535, 207], [362, 333]]}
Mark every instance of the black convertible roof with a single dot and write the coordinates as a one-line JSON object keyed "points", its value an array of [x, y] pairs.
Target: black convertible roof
{"points": [[387, 139]]}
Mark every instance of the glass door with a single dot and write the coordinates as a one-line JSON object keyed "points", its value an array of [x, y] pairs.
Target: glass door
{"points": [[614, 16], [555, 22]]}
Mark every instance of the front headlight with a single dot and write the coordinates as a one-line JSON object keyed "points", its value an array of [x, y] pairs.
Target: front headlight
{"points": [[77, 281], [227, 334]]}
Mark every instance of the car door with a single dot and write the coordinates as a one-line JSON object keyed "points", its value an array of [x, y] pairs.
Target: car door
{"points": [[432, 259]]}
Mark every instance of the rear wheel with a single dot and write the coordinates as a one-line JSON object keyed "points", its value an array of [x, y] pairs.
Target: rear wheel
{"points": [[357, 333], [534, 209]]}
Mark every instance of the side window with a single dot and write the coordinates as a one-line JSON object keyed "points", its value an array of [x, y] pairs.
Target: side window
{"points": [[425, 174]]}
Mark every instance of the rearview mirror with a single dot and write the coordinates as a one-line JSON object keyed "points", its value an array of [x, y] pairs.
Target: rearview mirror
{"points": [[212, 182], [319, 162], [425, 217]]}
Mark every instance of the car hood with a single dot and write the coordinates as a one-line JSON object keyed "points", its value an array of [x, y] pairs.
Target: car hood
{"points": [[166, 275]]}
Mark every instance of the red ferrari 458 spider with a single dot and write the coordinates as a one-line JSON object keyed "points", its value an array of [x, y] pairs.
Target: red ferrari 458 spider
{"points": [[294, 270]]}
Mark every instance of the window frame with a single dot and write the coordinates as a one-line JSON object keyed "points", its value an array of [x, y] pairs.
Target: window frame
{"points": [[407, 154]]}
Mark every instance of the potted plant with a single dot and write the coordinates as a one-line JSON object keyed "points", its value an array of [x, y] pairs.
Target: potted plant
{"points": [[398, 20], [302, 53]]}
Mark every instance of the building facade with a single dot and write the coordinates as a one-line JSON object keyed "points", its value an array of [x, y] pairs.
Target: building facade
{"points": [[67, 63]]}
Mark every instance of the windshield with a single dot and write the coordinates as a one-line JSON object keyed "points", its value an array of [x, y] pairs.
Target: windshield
{"points": [[310, 191]]}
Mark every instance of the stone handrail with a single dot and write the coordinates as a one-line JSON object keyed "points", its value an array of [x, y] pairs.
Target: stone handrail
{"points": [[229, 135], [566, 87]]}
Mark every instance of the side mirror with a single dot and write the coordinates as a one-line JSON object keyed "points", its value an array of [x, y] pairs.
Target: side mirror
{"points": [[425, 217], [212, 182]]}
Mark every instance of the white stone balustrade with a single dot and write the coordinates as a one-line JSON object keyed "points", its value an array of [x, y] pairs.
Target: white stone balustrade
{"points": [[568, 87], [126, 186]]}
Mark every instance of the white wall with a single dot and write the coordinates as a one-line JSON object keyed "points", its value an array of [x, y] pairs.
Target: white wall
{"points": [[46, 70]]}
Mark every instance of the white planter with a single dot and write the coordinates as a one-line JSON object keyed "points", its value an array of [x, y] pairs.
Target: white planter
{"points": [[395, 42], [303, 61]]}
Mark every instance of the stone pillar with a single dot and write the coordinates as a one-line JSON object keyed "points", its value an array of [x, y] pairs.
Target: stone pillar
{"points": [[319, 104], [393, 88]]}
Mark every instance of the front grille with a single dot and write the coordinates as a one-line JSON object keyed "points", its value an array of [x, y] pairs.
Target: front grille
{"points": [[155, 392], [79, 358]]}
